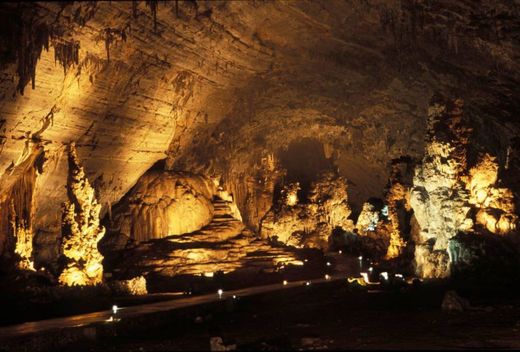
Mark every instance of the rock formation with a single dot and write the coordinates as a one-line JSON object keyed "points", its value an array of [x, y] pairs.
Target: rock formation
{"points": [[496, 206], [224, 245], [223, 89], [81, 229], [446, 192], [163, 204], [439, 197], [310, 222]]}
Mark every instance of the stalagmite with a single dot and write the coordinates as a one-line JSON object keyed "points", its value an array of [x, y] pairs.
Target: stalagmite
{"points": [[81, 229], [439, 198]]}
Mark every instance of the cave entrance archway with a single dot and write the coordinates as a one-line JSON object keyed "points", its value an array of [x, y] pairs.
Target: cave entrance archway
{"points": [[304, 160]]}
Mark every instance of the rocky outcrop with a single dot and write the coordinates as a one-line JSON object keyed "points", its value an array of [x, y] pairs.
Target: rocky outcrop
{"points": [[310, 222], [162, 204]]}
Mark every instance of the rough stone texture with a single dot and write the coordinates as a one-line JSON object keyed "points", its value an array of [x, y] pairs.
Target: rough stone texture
{"points": [[131, 287], [222, 85], [398, 206], [81, 229], [439, 197], [496, 204], [223, 245], [310, 223], [448, 197], [485, 257], [431, 263], [162, 204]]}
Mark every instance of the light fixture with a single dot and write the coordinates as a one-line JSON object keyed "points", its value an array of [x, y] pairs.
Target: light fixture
{"points": [[220, 292], [285, 282], [327, 277], [114, 309]]}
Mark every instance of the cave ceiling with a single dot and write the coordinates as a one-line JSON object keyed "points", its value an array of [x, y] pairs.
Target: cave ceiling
{"points": [[215, 85]]}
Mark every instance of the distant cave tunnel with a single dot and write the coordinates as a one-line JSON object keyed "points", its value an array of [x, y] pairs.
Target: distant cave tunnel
{"points": [[304, 159]]}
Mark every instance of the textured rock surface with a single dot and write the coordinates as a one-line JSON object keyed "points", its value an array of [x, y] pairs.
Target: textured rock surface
{"points": [[224, 88], [310, 222], [81, 229], [164, 203], [223, 245], [448, 197], [439, 197]]}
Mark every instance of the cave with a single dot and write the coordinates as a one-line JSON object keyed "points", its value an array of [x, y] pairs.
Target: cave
{"points": [[259, 175]]}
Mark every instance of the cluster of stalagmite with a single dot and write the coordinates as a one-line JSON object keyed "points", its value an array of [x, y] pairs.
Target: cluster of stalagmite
{"points": [[449, 200], [309, 222], [81, 229]]}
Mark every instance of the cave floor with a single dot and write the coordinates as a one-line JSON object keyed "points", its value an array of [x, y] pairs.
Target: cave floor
{"points": [[330, 316]]}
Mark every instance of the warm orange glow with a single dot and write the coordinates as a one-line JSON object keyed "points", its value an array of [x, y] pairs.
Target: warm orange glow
{"points": [[23, 246], [496, 204], [291, 194], [82, 231]]}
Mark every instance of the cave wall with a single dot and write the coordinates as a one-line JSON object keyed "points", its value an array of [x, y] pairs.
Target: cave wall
{"points": [[220, 87]]}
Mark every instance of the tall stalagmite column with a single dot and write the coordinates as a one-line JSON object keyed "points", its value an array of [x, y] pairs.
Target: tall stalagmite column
{"points": [[439, 197], [81, 230]]}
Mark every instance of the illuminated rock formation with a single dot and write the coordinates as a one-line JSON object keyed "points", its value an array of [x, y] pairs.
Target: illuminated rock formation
{"points": [[310, 224], [398, 206], [248, 79], [162, 204], [367, 219], [17, 208], [81, 229], [449, 200], [23, 247], [496, 205], [133, 287], [225, 245], [439, 198], [290, 194]]}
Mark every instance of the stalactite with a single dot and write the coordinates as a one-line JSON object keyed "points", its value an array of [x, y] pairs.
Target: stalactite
{"points": [[108, 40], [67, 54], [32, 39], [81, 229], [134, 8], [153, 4], [110, 37], [20, 216]]}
